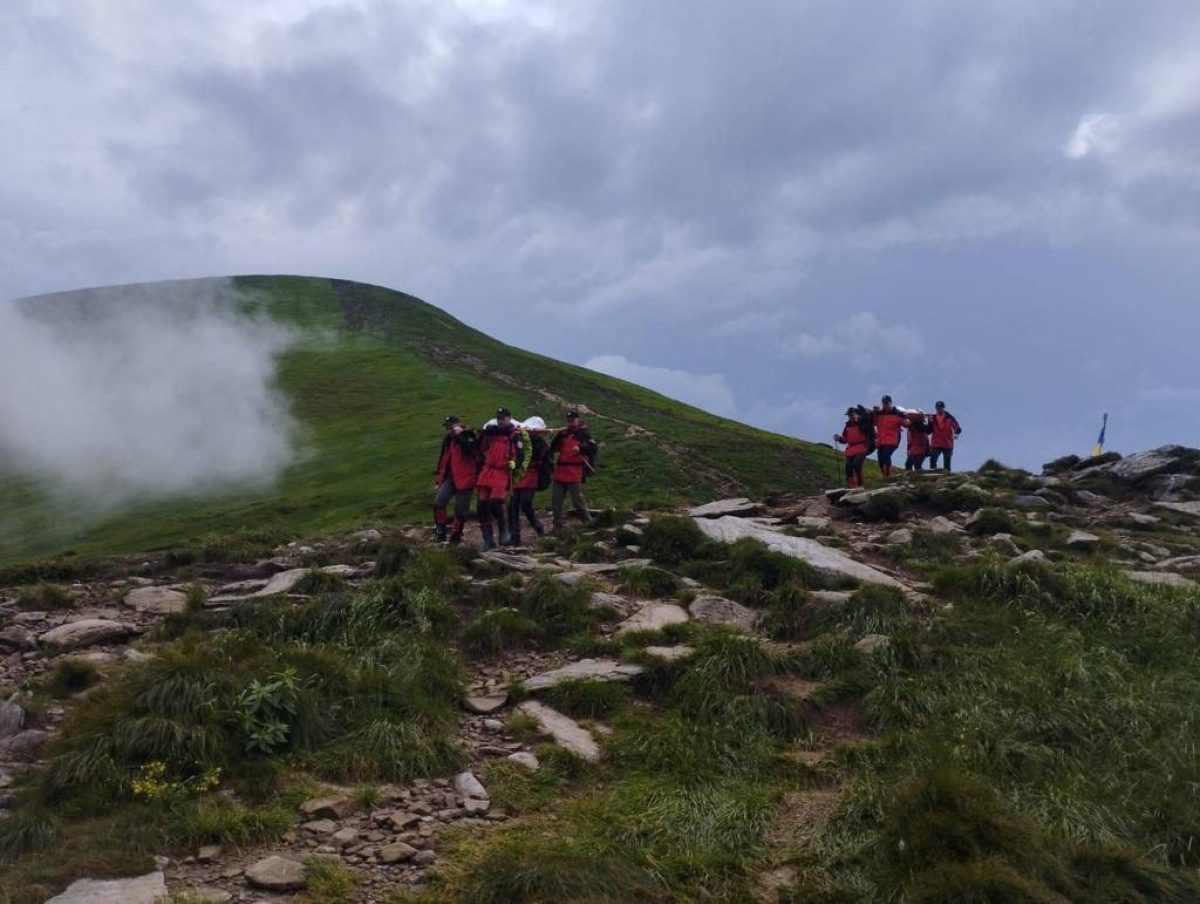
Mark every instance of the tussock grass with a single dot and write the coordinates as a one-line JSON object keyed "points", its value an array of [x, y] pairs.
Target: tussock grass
{"points": [[71, 676], [44, 596], [499, 630], [672, 539], [587, 699], [556, 609]]}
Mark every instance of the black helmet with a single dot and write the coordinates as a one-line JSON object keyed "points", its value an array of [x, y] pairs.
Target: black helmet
{"points": [[887, 400], [939, 404], [450, 420], [851, 410], [572, 414], [502, 412]]}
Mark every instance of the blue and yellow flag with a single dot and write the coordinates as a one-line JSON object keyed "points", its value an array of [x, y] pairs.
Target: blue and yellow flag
{"points": [[1098, 449]]}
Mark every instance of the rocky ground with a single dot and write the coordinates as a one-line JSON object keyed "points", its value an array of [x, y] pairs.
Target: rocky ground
{"points": [[1139, 513]]}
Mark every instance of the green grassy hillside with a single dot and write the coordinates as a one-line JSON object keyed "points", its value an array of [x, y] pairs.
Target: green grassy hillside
{"points": [[370, 390]]}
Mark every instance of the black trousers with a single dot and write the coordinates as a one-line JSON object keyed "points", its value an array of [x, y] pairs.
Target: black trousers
{"points": [[447, 491], [914, 463], [885, 455], [522, 504], [854, 466], [933, 458]]}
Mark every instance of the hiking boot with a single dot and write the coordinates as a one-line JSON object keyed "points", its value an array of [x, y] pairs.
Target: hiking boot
{"points": [[440, 533], [455, 538], [489, 538]]}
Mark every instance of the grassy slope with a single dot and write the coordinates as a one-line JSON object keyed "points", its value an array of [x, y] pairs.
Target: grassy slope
{"points": [[371, 394]]}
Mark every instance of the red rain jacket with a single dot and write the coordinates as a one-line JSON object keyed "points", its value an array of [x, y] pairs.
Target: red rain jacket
{"points": [[918, 437], [537, 455], [945, 428], [502, 450], [887, 427], [855, 439], [571, 461], [459, 460]]}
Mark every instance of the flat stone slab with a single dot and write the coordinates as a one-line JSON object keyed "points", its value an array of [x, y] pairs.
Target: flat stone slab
{"points": [[468, 786], [485, 704], [148, 889], [654, 617], [601, 600], [825, 559], [584, 670], [670, 654], [1162, 578], [734, 507], [156, 600], [1081, 539], [276, 873], [523, 564], [85, 632], [1187, 508], [565, 731], [716, 610]]}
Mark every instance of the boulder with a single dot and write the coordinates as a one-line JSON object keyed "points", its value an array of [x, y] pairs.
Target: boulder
{"points": [[468, 786], [344, 838], [335, 806], [669, 654], [85, 632], [12, 717], [1186, 508], [1029, 501], [320, 826], [940, 524], [872, 644], [825, 559], [156, 600], [1082, 540], [601, 600], [148, 889], [1172, 487], [900, 537], [716, 610], [485, 704], [566, 732], [276, 873], [15, 639], [654, 617], [1141, 465], [524, 564], [739, 507], [1033, 557], [526, 759], [1092, 500], [24, 745], [584, 670], [397, 852], [1163, 578]]}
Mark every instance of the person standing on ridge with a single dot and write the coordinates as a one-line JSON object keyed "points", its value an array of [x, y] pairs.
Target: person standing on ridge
{"points": [[943, 428], [574, 448], [854, 435], [536, 477], [503, 455], [918, 441], [457, 469], [888, 422]]}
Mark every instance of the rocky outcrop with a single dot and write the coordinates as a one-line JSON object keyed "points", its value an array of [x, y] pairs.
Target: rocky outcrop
{"points": [[654, 617], [822, 558], [565, 731], [584, 670], [84, 632], [148, 889], [721, 612], [275, 873]]}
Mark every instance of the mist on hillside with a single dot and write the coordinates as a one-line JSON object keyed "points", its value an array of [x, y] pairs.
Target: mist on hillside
{"points": [[119, 395]]}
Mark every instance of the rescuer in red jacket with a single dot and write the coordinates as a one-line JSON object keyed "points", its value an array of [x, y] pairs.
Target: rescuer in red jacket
{"points": [[503, 455], [888, 422], [943, 427], [918, 441], [856, 440], [457, 467], [574, 448]]}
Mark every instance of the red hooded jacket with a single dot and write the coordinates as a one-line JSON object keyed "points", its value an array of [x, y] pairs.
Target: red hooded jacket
{"points": [[887, 427], [571, 461], [502, 454], [855, 439], [918, 436], [945, 428], [459, 460]]}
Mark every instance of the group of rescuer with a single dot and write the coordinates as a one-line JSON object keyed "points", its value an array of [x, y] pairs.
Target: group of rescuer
{"points": [[930, 436], [504, 464]]}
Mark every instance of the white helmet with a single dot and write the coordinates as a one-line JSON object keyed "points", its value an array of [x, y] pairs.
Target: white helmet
{"points": [[491, 423], [534, 423]]}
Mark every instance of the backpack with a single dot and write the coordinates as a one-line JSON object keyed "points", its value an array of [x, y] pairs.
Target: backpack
{"points": [[545, 466], [520, 437]]}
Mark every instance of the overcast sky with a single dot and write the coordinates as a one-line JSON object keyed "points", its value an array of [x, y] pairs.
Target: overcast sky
{"points": [[769, 209]]}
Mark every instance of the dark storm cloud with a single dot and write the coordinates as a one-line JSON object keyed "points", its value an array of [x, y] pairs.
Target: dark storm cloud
{"points": [[772, 196]]}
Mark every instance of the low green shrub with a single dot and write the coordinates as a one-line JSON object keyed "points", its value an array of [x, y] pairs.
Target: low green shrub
{"points": [[72, 676], [671, 539], [499, 630], [588, 699], [44, 597]]}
